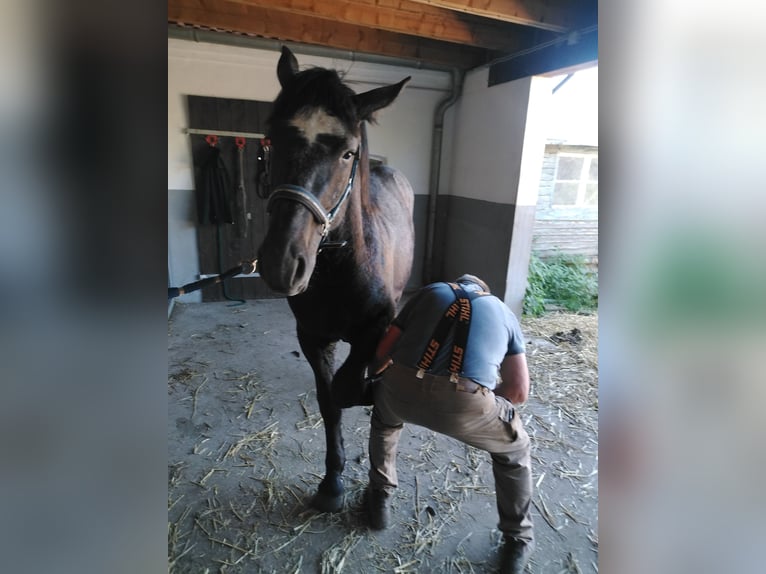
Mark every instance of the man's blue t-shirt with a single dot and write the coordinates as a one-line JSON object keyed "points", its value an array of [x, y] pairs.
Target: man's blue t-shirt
{"points": [[494, 333]]}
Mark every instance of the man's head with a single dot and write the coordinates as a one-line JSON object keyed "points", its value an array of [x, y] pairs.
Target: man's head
{"points": [[472, 280]]}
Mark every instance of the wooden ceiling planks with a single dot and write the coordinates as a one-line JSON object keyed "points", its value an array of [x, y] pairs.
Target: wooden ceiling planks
{"points": [[444, 33]]}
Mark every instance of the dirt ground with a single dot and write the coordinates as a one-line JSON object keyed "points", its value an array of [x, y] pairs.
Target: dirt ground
{"points": [[246, 453]]}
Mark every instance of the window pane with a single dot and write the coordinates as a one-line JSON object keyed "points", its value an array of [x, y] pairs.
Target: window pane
{"points": [[593, 175], [591, 194], [565, 194], [569, 167]]}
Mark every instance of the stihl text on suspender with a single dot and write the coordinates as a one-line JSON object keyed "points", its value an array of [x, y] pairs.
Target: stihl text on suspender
{"points": [[458, 314]]}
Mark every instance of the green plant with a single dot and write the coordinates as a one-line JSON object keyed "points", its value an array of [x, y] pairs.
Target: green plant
{"points": [[535, 295], [562, 280]]}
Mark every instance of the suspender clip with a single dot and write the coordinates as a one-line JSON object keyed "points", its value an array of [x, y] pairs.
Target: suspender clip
{"points": [[420, 373]]}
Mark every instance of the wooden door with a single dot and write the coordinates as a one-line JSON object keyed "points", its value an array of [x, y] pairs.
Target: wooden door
{"points": [[223, 246]]}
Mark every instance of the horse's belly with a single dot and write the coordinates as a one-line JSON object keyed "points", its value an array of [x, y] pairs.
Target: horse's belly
{"points": [[339, 319], [322, 319]]}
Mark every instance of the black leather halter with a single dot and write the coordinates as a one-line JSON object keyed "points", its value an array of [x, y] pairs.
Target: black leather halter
{"points": [[311, 202]]}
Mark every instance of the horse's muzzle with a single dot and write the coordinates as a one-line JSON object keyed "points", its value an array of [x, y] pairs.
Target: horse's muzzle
{"points": [[287, 274]]}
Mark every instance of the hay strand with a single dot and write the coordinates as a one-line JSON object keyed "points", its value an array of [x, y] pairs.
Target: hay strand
{"points": [[334, 558], [194, 397], [263, 439], [247, 510]]}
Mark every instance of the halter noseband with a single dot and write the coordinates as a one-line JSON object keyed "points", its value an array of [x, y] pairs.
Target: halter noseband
{"points": [[311, 202]]}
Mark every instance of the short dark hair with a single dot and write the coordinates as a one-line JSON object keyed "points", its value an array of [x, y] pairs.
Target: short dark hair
{"points": [[467, 278]]}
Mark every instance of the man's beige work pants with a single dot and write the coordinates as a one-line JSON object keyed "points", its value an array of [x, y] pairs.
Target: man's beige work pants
{"points": [[480, 419]]}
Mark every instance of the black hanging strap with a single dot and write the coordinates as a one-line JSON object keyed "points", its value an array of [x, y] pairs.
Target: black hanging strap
{"points": [[214, 193], [263, 169], [243, 215]]}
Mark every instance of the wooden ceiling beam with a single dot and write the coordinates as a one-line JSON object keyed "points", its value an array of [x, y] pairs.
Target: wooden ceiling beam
{"points": [[270, 23], [554, 15], [404, 17]]}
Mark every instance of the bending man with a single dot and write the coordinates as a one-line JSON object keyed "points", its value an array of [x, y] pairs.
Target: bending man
{"points": [[453, 361]]}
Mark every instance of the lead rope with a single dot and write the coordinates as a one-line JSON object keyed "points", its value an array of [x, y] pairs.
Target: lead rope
{"points": [[224, 285], [245, 268]]}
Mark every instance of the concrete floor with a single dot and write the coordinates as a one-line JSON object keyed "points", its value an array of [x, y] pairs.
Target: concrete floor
{"points": [[246, 451]]}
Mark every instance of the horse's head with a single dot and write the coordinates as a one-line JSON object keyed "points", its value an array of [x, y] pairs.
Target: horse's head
{"points": [[316, 136]]}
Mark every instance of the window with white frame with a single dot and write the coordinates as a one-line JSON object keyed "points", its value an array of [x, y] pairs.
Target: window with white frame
{"points": [[576, 183]]}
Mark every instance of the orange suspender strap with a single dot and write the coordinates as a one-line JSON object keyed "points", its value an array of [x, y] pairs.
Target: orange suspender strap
{"points": [[459, 315]]}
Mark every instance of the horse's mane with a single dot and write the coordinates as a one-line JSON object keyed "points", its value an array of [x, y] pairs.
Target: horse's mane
{"points": [[364, 170]]}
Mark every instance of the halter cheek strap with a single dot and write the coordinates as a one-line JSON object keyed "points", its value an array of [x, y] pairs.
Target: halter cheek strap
{"points": [[311, 202]]}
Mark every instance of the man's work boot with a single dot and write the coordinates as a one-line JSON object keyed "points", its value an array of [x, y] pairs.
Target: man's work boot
{"points": [[378, 511], [515, 554]]}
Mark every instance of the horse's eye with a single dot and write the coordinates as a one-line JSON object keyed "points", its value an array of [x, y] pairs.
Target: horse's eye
{"points": [[348, 155]]}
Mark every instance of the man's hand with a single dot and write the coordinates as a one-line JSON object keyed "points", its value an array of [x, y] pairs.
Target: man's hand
{"points": [[379, 366], [383, 352]]}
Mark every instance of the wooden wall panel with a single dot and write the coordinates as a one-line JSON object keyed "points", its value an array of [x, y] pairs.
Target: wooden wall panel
{"points": [[239, 241]]}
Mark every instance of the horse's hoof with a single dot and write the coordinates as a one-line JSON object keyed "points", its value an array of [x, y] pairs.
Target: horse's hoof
{"points": [[361, 395], [329, 497], [327, 503]]}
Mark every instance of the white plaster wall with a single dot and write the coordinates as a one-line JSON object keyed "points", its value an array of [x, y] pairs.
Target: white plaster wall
{"points": [[484, 162], [497, 157], [403, 134]]}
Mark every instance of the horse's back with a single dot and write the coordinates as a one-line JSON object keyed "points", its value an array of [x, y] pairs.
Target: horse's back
{"points": [[392, 184]]}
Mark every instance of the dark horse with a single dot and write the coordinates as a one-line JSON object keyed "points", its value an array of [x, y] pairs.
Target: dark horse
{"points": [[340, 238]]}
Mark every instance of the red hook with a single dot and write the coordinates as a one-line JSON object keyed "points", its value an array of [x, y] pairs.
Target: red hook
{"points": [[212, 140], [240, 141]]}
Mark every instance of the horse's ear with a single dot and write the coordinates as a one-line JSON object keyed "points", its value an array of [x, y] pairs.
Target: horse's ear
{"points": [[369, 102], [287, 66]]}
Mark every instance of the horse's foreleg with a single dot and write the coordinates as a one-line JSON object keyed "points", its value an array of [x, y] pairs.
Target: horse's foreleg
{"points": [[321, 355]]}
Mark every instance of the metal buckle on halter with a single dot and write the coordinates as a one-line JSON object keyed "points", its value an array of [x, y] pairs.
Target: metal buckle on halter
{"points": [[331, 245]]}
